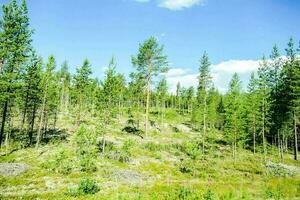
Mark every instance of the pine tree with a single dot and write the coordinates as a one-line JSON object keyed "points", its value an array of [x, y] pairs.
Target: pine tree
{"points": [[81, 82], [234, 123], [213, 99], [15, 45], [33, 77], [109, 97], [162, 91], [275, 111], [64, 78], [291, 85], [150, 62], [47, 86], [190, 98], [264, 103], [253, 109], [202, 94]]}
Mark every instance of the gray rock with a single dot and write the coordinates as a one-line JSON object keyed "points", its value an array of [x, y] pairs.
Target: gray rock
{"points": [[12, 169]]}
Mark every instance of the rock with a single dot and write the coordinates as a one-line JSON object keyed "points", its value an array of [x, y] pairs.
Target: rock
{"points": [[280, 169], [13, 169]]}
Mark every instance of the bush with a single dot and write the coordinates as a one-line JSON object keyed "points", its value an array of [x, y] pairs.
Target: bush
{"points": [[87, 164], [60, 163], [209, 195], [85, 187], [191, 149], [86, 143], [88, 186]]}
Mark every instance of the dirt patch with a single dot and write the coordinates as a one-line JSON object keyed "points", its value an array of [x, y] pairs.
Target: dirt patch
{"points": [[13, 169]]}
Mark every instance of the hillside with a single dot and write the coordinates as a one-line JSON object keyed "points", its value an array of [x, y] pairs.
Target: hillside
{"points": [[168, 164]]}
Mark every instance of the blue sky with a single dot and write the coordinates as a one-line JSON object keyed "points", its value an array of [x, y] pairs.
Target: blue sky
{"points": [[235, 33]]}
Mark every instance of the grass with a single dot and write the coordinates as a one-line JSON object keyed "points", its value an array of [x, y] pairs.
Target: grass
{"points": [[166, 165]]}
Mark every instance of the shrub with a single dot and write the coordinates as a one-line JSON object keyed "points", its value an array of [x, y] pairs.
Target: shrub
{"points": [[191, 149], [87, 164], [88, 186], [86, 143], [60, 163], [85, 187], [209, 195]]}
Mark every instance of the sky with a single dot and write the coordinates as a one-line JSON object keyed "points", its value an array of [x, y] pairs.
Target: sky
{"points": [[235, 33]]}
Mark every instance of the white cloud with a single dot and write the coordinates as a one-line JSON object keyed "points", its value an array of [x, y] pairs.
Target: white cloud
{"points": [[238, 66], [173, 72], [179, 4], [221, 74], [175, 4]]}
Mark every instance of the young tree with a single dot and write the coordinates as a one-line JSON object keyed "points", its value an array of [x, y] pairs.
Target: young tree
{"points": [[275, 96], [33, 77], [162, 91], [264, 96], [234, 123], [291, 85], [64, 78], [81, 82], [47, 85], [202, 93], [109, 97], [150, 62], [253, 108]]}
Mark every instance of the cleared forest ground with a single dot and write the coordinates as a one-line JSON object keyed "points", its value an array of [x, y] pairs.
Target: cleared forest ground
{"points": [[167, 164]]}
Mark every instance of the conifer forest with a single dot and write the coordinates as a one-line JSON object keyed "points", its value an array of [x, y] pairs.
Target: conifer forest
{"points": [[69, 134]]}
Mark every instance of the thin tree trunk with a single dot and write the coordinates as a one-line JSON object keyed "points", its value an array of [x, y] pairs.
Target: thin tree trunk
{"points": [[278, 142], [296, 138], [147, 110], [25, 111], [41, 121], [204, 125], [30, 133], [148, 99], [4, 114], [263, 130], [254, 135], [8, 135], [234, 147]]}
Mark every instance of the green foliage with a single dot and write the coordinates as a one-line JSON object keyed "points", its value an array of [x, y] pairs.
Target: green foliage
{"points": [[186, 166], [193, 149], [60, 163], [86, 143], [209, 195], [85, 187]]}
